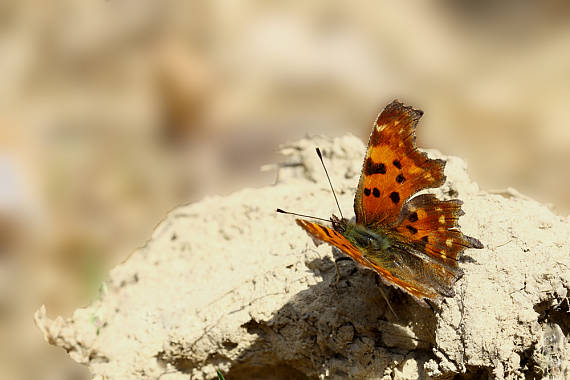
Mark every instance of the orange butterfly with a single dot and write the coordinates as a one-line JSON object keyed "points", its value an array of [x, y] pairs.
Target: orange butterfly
{"points": [[413, 244]]}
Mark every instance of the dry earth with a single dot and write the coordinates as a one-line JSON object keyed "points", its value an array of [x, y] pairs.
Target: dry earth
{"points": [[228, 284]]}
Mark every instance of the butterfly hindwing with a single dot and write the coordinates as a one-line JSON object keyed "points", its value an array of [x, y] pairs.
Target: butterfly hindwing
{"points": [[433, 225], [394, 169]]}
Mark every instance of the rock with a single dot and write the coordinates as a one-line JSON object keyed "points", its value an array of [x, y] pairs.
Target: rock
{"points": [[228, 284]]}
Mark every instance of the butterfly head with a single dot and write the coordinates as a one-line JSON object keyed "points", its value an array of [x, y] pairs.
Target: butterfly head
{"points": [[339, 224]]}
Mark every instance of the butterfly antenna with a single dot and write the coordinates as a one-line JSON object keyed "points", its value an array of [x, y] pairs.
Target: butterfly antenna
{"points": [[301, 215], [330, 183]]}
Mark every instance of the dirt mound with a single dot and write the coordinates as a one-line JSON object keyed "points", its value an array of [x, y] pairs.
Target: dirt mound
{"points": [[228, 284]]}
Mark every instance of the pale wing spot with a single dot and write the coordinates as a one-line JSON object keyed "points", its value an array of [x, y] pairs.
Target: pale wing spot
{"points": [[438, 209], [441, 229], [449, 242], [427, 176], [401, 144], [396, 123], [443, 253], [442, 219]]}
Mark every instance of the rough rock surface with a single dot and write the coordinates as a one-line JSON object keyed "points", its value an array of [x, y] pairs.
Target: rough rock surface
{"points": [[229, 284]]}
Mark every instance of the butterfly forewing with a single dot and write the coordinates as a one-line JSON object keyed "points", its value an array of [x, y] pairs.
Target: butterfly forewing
{"points": [[394, 169], [397, 275], [332, 237]]}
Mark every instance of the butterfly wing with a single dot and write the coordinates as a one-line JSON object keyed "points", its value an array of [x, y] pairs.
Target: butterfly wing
{"points": [[422, 235], [395, 275], [432, 225], [394, 169], [329, 235]]}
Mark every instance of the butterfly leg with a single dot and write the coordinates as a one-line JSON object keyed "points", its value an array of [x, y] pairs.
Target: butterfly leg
{"points": [[430, 305], [338, 276], [379, 285], [387, 301]]}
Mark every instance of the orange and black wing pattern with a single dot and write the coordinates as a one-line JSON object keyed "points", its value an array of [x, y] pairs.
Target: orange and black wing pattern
{"points": [[433, 225], [390, 274], [329, 235], [394, 169], [413, 243]]}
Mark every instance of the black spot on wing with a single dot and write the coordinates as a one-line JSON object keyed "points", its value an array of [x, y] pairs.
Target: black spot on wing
{"points": [[326, 231], [395, 197], [376, 192], [371, 167], [367, 191], [413, 217], [412, 229], [400, 178], [397, 164]]}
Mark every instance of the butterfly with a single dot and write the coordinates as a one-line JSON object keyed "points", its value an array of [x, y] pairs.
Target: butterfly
{"points": [[412, 242]]}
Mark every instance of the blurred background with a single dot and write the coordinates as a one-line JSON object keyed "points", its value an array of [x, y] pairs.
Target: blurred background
{"points": [[114, 112]]}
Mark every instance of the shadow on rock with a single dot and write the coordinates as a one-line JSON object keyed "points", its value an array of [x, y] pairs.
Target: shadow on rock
{"points": [[338, 330]]}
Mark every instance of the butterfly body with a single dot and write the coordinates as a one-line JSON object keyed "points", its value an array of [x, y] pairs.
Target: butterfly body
{"points": [[412, 242], [363, 237]]}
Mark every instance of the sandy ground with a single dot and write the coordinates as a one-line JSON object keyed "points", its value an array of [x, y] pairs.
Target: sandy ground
{"points": [[226, 283]]}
